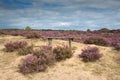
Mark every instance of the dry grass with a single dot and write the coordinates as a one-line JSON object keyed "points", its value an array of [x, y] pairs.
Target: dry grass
{"points": [[107, 68]]}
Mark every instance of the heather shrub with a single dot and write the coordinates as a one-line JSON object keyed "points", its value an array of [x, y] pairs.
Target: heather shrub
{"points": [[62, 53], [90, 54], [45, 52], [32, 35], [33, 64], [116, 45], [26, 50], [96, 41], [38, 61], [11, 46], [41, 49]]}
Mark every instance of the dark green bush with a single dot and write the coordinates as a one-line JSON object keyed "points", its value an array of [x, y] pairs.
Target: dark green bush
{"points": [[62, 53]]}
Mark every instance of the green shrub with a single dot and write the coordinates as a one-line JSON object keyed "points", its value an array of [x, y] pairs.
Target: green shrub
{"points": [[62, 53]]}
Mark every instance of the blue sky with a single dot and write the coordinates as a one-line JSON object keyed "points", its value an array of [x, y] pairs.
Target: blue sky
{"points": [[60, 14]]}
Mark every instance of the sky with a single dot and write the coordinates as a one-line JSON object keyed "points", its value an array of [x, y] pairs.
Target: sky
{"points": [[60, 14]]}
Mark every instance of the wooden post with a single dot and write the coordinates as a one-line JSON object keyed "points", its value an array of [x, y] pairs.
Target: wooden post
{"points": [[70, 44], [50, 42]]}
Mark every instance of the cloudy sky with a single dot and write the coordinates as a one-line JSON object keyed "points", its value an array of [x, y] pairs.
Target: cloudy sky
{"points": [[60, 14]]}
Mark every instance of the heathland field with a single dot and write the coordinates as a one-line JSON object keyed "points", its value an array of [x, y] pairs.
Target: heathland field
{"points": [[75, 67]]}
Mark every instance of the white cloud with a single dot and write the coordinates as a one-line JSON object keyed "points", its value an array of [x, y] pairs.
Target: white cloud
{"points": [[64, 24], [78, 13]]}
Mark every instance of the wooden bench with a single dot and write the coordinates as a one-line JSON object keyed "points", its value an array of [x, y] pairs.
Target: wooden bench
{"points": [[70, 39]]}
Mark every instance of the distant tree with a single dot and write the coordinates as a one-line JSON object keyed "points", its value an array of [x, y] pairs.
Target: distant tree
{"points": [[88, 30], [104, 29], [27, 28]]}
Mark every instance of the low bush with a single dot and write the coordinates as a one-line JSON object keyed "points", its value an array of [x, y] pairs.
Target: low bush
{"points": [[90, 54], [96, 41], [38, 61], [46, 53], [61, 53], [33, 64], [25, 51], [11, 46], [32, 35], [116, 45]]}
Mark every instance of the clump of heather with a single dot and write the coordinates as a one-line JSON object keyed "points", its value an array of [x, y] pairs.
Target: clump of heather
{"points": [[11, 46], [32, 35], [62, 53], [116, 45], [26, 50], [45, 52], [96, 41], [33, 64], [41, 49], [90, 54], [38, 61]]}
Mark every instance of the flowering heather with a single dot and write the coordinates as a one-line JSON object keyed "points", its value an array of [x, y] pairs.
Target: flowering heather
{"points": [[11, 46], [62, 53], [33, 64], [32, 35], [90, 54], [26, 50], [116, 45], [45, 52], [110, 36], [97, 41], [38, 61]]}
